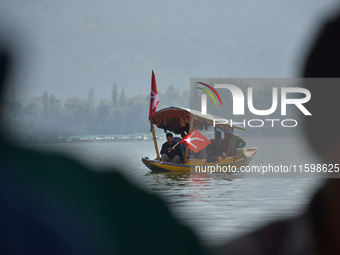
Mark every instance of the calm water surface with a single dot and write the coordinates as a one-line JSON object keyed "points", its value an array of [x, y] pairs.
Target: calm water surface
{"points": [[217, 206]]}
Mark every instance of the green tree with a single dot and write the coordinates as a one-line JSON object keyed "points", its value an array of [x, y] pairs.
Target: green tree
{"points": [[184, 99], [114, 93], [137, 115], [170, 98], [56, 111], [122, 99], [118, 119], [34, 114], [103, 116], [90, 96], [45, 103], [78, 115]]}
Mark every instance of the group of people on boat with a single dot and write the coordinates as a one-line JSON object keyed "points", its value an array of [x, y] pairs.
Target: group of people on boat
{"points": [[217, 149], [222, 148]]}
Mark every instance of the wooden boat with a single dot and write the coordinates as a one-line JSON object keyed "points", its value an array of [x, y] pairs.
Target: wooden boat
{"points": [[180, 120]]}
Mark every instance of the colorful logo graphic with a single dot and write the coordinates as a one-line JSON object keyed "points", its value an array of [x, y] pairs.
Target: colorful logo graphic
{"points": [[209, 93]]}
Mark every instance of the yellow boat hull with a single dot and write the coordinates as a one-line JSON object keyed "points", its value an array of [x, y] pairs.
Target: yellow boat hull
{"points": [[160, 166]]}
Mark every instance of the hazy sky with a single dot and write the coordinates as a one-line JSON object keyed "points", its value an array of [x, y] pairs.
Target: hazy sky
{"points": [[66, 47]]}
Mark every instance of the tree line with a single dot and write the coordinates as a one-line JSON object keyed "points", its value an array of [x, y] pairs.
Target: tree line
{"points": [[47, 116]]}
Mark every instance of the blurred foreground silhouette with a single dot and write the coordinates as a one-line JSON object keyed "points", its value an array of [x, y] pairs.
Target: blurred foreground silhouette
{"points": [[50, 204], [317, 229]]}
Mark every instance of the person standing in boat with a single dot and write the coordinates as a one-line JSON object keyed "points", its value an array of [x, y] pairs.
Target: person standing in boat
{"points": [[168, 152]]}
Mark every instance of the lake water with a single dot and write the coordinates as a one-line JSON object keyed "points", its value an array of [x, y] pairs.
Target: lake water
{"points": [[218, 206]]}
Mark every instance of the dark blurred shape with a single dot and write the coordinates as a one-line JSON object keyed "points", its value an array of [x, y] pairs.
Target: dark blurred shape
{"points": [[317, 229], [324, 62], [50, 204], [324, 57], [4, 66]]}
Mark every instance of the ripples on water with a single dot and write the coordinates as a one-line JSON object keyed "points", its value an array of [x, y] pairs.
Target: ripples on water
{"points": [[218, 206]]}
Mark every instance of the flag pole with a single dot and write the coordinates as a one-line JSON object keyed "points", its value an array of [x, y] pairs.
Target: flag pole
{"points": [[154, 139], [174, 146], [191, 126]]}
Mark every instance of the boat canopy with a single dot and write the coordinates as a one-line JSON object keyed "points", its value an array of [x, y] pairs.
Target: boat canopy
{"points": [[177, 120]]}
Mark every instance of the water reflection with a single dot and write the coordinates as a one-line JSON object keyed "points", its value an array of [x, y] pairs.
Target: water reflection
{"points": [[218, 205]]}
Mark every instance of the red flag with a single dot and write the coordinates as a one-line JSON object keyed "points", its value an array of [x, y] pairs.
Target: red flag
{"points": [[154, 100], [195, 141]]}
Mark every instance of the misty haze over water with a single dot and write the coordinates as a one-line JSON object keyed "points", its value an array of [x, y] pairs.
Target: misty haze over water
{"points": [[71, 55], [68, 47]]}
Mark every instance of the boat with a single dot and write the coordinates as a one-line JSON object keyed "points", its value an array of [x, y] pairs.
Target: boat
{"points": [[180, 121]]}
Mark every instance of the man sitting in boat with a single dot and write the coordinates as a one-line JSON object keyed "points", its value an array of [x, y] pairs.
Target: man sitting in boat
{"points": [[168, 153], [202, 154], [234, 142], [237, 143], [216, 148]]}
